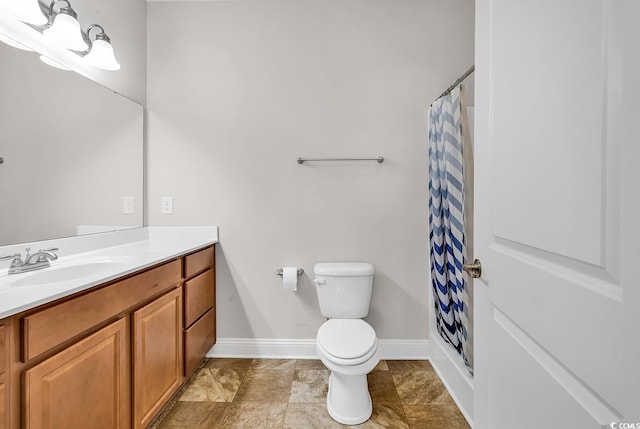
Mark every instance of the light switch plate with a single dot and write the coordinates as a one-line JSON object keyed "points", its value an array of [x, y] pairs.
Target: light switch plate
{"points": [[127, 205], [166, 205]]}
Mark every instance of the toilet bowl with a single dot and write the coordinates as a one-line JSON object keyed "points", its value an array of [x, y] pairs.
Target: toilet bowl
{"points": [[346, 344], [349, 349]]}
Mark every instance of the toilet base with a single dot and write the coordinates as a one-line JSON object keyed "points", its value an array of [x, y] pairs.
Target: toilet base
{"points": [[348, 399]]}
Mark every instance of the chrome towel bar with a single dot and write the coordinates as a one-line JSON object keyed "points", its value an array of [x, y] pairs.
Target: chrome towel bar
{"points": [[379, 159]]}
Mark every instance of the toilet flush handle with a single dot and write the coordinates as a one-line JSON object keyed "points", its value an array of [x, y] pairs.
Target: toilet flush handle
{"points": [[319, 282]]}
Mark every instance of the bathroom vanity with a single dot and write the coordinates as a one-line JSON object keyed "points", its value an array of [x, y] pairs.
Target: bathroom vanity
{"points": [[113, 350]]}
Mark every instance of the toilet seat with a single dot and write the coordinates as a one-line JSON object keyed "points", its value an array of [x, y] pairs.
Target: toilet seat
{"points": [[347, 341]]}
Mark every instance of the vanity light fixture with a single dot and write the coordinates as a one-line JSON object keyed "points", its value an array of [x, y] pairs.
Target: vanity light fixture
{"points": [[101, 52], [64, 28], [27, 11]]}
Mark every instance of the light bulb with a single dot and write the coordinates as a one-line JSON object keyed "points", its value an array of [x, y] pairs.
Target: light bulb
{"points": [[101, 54], [65, 30]]}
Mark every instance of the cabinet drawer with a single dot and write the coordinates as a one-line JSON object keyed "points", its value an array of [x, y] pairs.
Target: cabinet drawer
{"points": [[3, 350], [198, 297], [198, 261], [50, 327], [198, 339]]}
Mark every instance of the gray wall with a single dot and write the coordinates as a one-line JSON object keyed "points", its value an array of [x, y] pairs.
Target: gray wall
{"points": [[238, 90]]}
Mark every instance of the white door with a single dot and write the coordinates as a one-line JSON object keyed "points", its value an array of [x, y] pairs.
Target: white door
{"points": [[557, 140]]}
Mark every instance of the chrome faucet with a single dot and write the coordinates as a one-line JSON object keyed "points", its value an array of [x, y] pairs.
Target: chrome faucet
{"points": [[39, 260]]}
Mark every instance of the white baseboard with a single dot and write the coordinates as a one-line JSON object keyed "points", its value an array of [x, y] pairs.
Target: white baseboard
{"points": [[306, 349], [263, 348], [404, 349]]}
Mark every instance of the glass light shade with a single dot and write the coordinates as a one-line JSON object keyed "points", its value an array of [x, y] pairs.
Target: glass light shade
{"points": [[27, 11], [102, 56], [65, 30], [9, 41], [53, 63]]}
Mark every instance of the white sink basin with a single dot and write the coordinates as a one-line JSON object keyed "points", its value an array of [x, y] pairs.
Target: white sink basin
{"points": [[68, 271]]}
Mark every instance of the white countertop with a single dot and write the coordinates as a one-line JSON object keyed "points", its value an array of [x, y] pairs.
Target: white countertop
{"points": [[132, 250]]}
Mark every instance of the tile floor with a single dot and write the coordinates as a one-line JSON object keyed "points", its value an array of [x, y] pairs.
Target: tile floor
{"points": [[275, 393]]}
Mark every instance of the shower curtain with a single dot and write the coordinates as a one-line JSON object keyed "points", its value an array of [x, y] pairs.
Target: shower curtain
{"points": [[446, 222]]}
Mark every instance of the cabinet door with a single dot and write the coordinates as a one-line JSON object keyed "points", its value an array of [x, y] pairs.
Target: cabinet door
{"points": [[85, 385], [157, 355], [3, 418]]}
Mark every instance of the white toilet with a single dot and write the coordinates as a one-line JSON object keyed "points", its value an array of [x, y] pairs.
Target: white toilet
{"points": [[346, 344]]}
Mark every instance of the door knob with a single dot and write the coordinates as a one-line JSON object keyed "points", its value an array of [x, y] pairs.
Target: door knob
{"points": [[474, 270]]}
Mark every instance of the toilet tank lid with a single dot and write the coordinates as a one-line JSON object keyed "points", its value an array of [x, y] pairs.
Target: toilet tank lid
{"points": [[343, 269]]}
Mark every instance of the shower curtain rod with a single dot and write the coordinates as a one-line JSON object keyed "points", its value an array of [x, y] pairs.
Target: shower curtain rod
{"points": [[458, 81]]}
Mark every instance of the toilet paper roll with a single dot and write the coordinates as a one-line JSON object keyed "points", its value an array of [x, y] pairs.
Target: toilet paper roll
{"points": [[290, 278]]}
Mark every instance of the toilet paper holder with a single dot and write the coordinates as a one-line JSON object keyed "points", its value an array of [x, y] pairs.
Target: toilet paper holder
{"points": [[280, 270]]}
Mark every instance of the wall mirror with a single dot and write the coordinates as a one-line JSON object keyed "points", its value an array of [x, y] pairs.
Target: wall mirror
{"points": [[71, 151]]}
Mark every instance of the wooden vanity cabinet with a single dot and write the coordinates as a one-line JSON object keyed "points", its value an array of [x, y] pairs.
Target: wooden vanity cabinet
{"points": [[112, 356], [77, 353]]}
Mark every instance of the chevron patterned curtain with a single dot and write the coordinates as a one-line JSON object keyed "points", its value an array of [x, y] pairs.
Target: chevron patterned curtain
{"points": [[446, 221]]}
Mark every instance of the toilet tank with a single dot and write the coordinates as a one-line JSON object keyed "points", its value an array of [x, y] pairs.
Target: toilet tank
{"points": [[344, 289]]}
